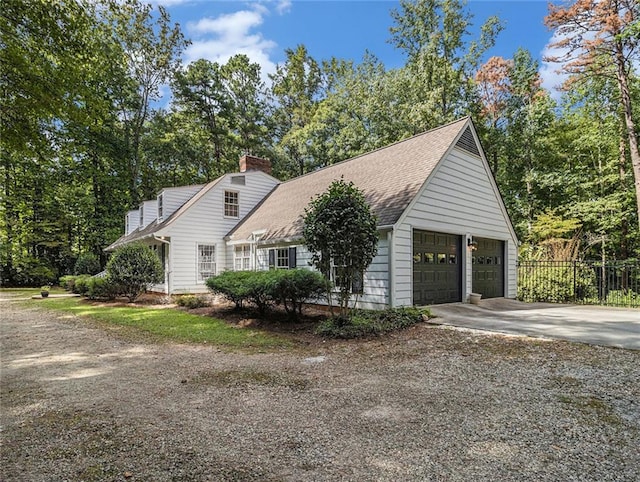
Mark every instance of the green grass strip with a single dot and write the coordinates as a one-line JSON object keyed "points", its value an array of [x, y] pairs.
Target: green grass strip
{"points": [[168, 324]]}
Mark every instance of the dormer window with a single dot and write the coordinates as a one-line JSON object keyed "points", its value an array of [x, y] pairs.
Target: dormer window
{"points": [[160, 207], [231, 204]]}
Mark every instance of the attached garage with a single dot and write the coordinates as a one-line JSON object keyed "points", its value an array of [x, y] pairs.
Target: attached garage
{"points": [[437, 268], [488, 268]]}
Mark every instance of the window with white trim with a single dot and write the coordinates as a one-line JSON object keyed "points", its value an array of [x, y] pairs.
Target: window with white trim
{"points": [[242, 257], [282, 258], [160, 207], [206, 261], [231, 204]]}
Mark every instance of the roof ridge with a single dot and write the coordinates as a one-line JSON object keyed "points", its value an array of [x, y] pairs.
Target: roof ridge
{"points": [[344, 161]]}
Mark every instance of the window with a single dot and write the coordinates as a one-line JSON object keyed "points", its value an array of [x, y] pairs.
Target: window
{"points": [[141, 216], [206, 261], [160, 207], [242, 257], [282, 258], [231, 205], [340, 278]]}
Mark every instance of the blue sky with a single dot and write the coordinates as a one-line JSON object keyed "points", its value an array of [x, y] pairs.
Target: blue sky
{"points": [[340, 28]]}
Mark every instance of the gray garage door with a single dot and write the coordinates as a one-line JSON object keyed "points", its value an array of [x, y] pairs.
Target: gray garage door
{"points": [[436, 268], [488, 268]]}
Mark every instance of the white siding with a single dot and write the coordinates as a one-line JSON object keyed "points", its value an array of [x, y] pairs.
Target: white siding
{"points": [[376, 278], [459, 199], [174, 197], [149, 212], [204, 223], [132, 221]]}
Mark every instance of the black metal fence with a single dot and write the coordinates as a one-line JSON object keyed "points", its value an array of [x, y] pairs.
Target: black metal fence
{"points": [[583, 282]]}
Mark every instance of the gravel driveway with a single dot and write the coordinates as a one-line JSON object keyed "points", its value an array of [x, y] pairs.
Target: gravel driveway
{"points": [[430, 403]]}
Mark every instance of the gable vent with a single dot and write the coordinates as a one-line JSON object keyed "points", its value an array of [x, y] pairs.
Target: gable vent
{"points": [[468, 143]]}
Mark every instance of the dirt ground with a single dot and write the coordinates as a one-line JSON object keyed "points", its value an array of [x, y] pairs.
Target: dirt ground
{"points": [[82, 403]]}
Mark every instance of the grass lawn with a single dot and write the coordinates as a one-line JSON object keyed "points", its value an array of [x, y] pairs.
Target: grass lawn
{"points": [[167, 324]]}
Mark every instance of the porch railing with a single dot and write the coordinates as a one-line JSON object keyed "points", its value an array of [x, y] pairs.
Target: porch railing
{"points": [[583, 282]]}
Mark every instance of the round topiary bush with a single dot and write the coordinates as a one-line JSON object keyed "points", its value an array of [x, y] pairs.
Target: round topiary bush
{"points": [[133, 268]]}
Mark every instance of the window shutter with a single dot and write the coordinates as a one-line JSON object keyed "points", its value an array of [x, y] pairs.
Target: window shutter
{"points": [[292, 258], [272, 258]]}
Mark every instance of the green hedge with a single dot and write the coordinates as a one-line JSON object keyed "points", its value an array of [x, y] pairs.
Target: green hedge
{"points": [[263, 289]]}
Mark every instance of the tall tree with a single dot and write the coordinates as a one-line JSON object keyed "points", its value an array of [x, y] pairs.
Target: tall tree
{"points": [[152, 47], [200, 92], [596, 36], [442, 59], [297, 87], [248, 102]]}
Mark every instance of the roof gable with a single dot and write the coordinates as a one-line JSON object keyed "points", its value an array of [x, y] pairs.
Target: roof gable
{"points": [[390, 178]]}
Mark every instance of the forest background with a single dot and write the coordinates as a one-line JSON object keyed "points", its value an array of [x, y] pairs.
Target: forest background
{"points": [[83, 138]]}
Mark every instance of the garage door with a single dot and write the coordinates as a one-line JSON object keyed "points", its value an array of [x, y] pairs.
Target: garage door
{"points": [[436, 268], [488, 268]]}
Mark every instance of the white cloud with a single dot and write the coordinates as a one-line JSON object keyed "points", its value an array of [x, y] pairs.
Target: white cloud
{"points": [[218, 39], [552, 78], [283, 6]]}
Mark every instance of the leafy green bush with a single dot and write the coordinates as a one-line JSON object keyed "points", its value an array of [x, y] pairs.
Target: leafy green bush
{"points": [[233, 285], [626, 298], [68, 282], [191, 302], [87, 263], [556, 283], [81, 284], [371, 322], [260, 287], [134, 267], [265, 288], [33, 272], [102, 288], [297, 286]]}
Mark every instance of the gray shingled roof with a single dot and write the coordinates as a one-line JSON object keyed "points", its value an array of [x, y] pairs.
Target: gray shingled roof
{"points": [[390, 178]]}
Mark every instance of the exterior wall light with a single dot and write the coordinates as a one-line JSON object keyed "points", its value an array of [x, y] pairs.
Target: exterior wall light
{"points": [[472, 244]]}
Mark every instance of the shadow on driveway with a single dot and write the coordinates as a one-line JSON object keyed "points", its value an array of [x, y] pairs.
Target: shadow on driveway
{"points": [[596, 325]]}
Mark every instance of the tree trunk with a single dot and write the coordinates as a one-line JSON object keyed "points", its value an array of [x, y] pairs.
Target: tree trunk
{"points": [[623, 84], [622, 172]]}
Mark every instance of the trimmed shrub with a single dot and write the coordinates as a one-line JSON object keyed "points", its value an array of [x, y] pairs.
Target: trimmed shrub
{"points": [[371, 322], [102, 289], [68, 282], [295, 287], [81, 284], [87, 263], [261, 289], [191, 302], [233, 285], [264, 288], [133, 267]]}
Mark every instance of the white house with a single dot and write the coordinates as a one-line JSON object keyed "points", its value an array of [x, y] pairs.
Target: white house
{"points": [[443, 228], [188, 225]]}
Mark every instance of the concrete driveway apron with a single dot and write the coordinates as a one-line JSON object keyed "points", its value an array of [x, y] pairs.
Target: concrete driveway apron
{"points": [[596, 325]]}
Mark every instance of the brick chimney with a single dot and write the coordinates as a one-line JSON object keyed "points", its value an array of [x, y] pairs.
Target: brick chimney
{"points": [[252, 163]]}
